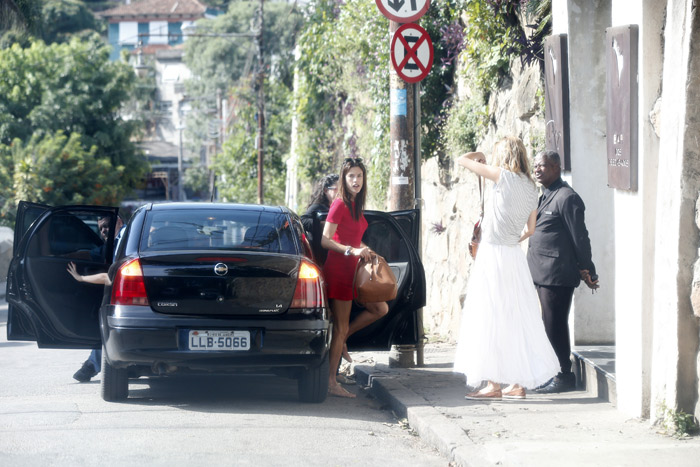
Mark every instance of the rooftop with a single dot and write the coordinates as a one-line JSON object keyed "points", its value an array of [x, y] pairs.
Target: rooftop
{"points": [[157, 9]]}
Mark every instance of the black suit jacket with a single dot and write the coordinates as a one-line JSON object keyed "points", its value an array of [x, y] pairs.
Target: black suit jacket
{"points": [[560, 246]]}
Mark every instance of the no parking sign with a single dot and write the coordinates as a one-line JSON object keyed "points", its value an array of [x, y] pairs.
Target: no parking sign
{"points": [[411, 52]]}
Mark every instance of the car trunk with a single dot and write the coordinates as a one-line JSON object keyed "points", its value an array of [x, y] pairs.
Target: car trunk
{"points": [[220, 284]]}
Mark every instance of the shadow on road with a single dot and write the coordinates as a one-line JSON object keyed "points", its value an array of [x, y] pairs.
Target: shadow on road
{"points": [[253, 394]]}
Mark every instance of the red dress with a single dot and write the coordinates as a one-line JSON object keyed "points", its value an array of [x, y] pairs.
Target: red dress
{"points": [[339, 270]]}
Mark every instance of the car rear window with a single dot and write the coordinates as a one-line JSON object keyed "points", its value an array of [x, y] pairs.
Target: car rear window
{"points": [[201, 229]]}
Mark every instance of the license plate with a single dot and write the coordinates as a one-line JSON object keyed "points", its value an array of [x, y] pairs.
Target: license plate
{"points": [[219, 340]]}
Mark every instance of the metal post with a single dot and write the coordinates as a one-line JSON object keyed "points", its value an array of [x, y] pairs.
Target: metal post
{"points": [[418, 204], [260, 78], [402, 183], [180, 172], [219, 145]]}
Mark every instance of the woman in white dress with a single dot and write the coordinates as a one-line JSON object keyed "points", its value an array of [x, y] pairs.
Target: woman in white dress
{"points": [[502, 337]]}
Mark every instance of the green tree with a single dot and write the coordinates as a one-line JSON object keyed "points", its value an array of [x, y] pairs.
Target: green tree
{"points": [[55, 170], [71, 87], [20, 15], [19, 20], [343, 100], [236, 166], [49, 20], [224, 66], [219, 62], [64, 18]]}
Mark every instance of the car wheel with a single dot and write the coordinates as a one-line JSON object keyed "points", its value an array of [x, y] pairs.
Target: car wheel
{"points": [[114, 382], [313, 383]]}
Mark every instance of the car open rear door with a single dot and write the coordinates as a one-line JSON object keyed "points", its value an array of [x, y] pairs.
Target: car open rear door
{"points": [[395, 236], [48, 305]]}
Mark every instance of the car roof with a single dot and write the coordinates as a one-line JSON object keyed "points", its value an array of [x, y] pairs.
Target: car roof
{"points": [[190, 205]]}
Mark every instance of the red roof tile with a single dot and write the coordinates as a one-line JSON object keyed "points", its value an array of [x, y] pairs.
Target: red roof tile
{"points": [[157, 8]]}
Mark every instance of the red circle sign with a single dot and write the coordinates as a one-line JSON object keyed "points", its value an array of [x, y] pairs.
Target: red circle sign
{"points": [[403, 11], [411, 52]]}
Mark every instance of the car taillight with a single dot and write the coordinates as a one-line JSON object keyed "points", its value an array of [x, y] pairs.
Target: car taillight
{"points": [[129, 288], [309, 291]]}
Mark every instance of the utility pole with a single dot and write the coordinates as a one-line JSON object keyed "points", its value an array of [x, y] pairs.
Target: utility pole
{"points": [[402, 100], [180, 171], [260, 79], [404, 159]]}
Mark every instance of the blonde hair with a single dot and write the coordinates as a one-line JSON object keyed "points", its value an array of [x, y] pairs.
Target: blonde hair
{"points": [[510, 154]]}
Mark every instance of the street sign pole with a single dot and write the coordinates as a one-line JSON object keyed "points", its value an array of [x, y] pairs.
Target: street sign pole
{"points": [[411, 60], [420, 346], [403, 182], [402, 113]]}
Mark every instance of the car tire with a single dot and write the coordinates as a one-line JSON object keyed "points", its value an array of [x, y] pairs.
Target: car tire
{"points": [[114, 382], [313, 383]]}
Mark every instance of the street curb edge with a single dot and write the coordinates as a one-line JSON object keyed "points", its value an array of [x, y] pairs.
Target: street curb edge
{"points": [[432, 426]]}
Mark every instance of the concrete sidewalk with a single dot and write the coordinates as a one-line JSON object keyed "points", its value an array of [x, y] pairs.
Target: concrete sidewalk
{"points": [[568, 429]]}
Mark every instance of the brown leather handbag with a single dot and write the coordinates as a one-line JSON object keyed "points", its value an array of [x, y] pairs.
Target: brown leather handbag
{"points": [[374, 281], [476, 233]]}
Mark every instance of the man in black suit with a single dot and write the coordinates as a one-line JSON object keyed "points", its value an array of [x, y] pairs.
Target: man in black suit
{"points": [[559, 256]]}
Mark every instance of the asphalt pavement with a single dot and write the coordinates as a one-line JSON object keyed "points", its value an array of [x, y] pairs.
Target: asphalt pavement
{"points": [[567, 429]]}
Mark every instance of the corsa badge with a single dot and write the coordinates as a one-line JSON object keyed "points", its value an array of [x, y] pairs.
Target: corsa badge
{"points": [[220, 269]]}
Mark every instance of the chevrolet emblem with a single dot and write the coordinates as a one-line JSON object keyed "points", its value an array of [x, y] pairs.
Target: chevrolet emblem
{"points": [[220, 269]]}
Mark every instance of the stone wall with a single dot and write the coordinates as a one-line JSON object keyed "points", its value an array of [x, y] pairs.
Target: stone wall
{"points": [[451, 199]]}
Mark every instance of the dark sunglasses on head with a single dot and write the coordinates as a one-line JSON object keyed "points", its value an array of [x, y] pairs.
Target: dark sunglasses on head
{"points": [[353, 160]]}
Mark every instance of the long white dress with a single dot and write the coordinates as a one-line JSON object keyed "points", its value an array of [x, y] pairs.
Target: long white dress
{"points": [[502, 337]]}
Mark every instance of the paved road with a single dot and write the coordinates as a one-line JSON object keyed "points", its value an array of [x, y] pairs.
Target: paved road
{"points": [[48, 418]]}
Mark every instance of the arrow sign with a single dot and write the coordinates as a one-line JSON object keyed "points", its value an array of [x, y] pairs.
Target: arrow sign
{"points": [[403, 11], [411, 52]]}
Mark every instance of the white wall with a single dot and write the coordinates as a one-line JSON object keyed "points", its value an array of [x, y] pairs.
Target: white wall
{"points": [[170, 78], [635, 220], [645, 241], [675, 344], [592, 320]]}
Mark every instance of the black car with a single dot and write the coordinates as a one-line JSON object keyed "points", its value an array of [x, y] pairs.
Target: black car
{"points": [[196, 287]]}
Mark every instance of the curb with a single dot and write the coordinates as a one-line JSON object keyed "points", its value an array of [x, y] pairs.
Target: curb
{"points": [[432, 426]]}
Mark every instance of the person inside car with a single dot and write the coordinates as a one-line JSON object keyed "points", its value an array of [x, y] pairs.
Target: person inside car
{"points": [[91, 367]]}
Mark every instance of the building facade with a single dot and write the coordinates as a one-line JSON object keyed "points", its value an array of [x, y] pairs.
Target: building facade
{"points": [[644, 236], [151, 32]]}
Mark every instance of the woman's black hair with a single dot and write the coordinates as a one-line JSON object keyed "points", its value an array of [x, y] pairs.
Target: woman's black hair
{"points": [[319, 194]]}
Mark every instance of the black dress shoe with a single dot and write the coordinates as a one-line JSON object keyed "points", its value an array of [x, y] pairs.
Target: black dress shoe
{"points": [[558, 385], [546, 383]]}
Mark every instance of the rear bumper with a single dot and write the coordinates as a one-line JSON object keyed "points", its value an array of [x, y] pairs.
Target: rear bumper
{"points": [[139, 336]]}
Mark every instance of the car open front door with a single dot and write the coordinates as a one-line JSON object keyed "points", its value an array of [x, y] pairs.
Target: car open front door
{"points": [[395, 236], [48, 305]]}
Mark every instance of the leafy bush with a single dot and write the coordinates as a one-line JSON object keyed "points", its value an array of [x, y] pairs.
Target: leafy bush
{"points": [[676, 423], [465, 125], [55, 170], [343, 96], [72, 88]]}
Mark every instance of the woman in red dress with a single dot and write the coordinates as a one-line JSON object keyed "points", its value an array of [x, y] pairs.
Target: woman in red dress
{"points": [[342, 237]]}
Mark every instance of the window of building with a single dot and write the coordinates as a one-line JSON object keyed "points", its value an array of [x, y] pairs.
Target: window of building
{"points": [[158, 31], [128, 33]]}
